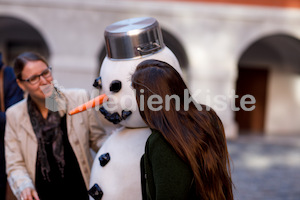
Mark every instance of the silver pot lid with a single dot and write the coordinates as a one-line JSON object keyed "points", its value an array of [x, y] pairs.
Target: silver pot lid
{"points": [[133, 38]]}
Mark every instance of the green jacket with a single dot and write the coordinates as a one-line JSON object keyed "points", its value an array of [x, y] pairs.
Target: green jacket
{"points": [[164, 174]]}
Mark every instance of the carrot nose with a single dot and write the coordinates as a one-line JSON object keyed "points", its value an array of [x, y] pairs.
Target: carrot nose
{"points": [[90, 104]]}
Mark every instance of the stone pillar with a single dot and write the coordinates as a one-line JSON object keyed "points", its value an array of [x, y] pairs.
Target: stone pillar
{"points": [[71, 71], [214, 85]]}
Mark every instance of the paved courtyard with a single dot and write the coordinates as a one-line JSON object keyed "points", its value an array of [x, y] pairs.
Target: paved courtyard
{"points": [[266, 167]]}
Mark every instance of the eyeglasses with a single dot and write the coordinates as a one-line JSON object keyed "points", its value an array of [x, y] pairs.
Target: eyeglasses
{"points": [[36, 78]]}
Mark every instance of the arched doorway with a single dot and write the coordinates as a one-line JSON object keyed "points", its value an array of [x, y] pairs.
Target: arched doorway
{"points": [[262, 66], [170, 41], [17, 36]]}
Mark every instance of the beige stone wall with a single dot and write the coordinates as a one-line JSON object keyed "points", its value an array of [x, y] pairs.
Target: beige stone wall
{"points": [[214, 37]]}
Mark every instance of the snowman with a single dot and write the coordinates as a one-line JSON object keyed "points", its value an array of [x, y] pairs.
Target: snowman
{"points": [[115, 173]]}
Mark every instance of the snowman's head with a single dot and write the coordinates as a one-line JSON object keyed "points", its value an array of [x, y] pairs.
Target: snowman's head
{"points": [[121, 107], [128, 43]]}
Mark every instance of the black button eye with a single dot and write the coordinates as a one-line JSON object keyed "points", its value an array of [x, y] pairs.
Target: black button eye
{"points": [[98, 83], [115, 86]]}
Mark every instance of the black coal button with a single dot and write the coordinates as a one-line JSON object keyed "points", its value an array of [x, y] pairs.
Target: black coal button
{"points": [[96, 192], [104, 159]]}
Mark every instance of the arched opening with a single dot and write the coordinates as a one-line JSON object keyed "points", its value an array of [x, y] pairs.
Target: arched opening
{"points": [[269, 70], [176, 47], [17, 36], [170, 41], [101, 57]]}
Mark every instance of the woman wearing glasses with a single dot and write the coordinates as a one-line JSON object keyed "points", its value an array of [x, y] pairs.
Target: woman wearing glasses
{"points": [[47, 151]]}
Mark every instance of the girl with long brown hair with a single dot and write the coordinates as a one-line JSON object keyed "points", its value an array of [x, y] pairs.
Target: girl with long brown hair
{"points": [[186, 155]]}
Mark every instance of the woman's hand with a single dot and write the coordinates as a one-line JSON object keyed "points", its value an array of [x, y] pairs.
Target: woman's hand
{"points": [[29, 194]]}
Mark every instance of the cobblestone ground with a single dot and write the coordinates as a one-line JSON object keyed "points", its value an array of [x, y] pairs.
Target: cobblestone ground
{"points": [[266, 167]]}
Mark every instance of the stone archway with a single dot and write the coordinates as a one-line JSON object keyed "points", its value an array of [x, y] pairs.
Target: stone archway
{"points": [[17, 36], [265, 63], [177, 48]]}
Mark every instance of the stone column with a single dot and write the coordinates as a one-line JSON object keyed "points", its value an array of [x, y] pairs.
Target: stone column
{"points": [[213, 84]]}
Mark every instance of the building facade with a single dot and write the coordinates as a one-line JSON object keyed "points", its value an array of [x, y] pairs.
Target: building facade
{"points": [[227, 49]]}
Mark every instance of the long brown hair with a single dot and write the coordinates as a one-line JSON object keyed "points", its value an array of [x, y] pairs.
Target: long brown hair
{"points": [[196, 135]]}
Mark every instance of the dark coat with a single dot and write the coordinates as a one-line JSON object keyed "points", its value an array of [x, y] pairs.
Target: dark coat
{"points": [[164, 174], [12, 94]]}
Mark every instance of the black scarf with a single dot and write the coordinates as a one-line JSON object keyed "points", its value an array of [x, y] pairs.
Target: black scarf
{"points": [[47, 131]]}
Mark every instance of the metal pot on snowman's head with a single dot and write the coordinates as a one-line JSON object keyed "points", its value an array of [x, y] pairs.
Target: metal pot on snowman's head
{"points": [[128, 43]]}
